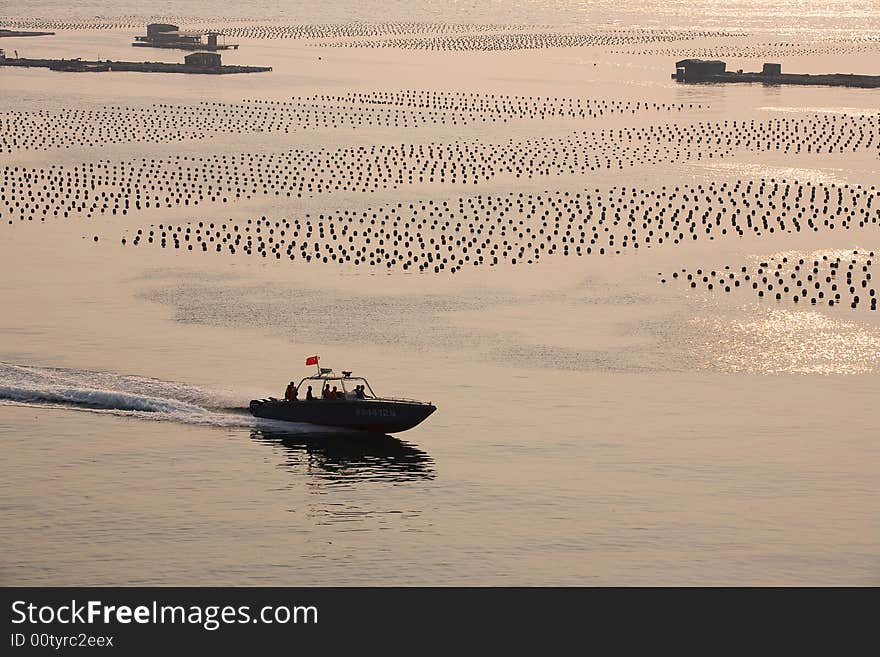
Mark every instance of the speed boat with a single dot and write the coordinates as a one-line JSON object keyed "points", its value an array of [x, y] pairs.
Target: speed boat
{"points": [[355, 406]]}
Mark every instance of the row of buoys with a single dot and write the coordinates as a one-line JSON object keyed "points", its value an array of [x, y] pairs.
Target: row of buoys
{"points": [[82, 190], [831, 280], [523, 228], [855, 38], [42, 129], [129, 21], [756, 51], [356, 29], [66, 128], [269, 28], [530, 40], [462, 102]]}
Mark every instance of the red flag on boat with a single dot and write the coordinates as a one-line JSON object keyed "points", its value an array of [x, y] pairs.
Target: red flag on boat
{"points": [[312, 360]]}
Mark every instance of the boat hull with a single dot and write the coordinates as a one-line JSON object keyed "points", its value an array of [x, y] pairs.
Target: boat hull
{"points": [[373, 415]]}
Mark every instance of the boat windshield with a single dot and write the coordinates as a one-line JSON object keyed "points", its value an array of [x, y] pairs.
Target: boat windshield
{"points": [[347, 384]]}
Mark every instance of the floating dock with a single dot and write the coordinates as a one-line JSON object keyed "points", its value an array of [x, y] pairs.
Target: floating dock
{"points": [[164, 35], [700, 71], [200, 63], [21, 33]]}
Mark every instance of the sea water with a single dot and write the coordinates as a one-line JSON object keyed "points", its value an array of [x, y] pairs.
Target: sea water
{"points": [[594, 425]]}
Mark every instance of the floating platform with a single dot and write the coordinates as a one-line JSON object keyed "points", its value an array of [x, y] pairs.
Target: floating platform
{"points": [[20, 33], [165, 35], [187, 46], [84, 66], [698, 71]]}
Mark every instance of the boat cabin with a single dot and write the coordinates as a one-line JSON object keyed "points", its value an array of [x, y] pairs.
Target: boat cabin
{"points": [[345, 383], [698, 69]]}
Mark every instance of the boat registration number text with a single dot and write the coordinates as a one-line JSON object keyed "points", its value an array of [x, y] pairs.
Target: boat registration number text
{"points": [[375, 412]]}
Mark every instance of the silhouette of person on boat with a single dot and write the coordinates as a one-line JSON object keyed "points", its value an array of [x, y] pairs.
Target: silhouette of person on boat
{"points": [[328, 393]]}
